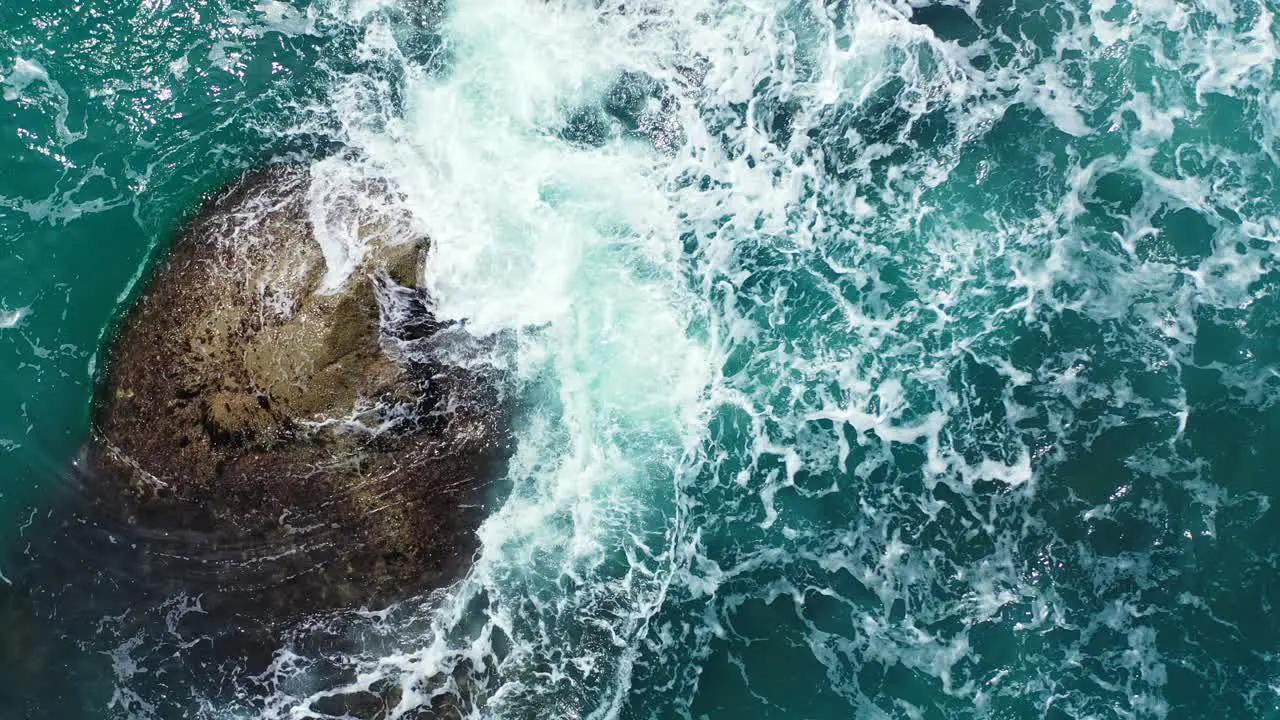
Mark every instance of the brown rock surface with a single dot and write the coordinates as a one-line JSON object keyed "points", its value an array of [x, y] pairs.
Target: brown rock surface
{"points": [[297, 444]]}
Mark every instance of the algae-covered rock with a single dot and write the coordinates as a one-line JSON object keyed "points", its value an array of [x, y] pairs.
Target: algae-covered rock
{"points": [[291, 440]]}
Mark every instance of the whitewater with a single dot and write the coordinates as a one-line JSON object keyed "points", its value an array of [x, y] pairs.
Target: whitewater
{"points": [[870, 359]]}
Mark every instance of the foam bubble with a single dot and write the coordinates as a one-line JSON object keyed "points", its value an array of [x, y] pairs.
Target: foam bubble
{"points": [[19, 84], [23, 74], [12, 318]]}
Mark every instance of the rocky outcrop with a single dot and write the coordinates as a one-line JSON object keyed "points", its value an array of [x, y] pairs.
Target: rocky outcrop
{"points": [[300, 447]]}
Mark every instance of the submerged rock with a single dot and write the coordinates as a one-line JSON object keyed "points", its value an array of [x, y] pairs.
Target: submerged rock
{"points": [[296, 447]]}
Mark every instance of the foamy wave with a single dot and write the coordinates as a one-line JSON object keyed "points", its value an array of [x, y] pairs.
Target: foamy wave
{"points": [[854, 344], [12, 318]]}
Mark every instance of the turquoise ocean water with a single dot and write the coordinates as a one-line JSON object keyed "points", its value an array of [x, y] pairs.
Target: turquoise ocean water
{"points": [[874, 359]]}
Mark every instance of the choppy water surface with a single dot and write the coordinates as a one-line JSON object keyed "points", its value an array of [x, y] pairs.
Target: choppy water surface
{"points": [[873, 361]]}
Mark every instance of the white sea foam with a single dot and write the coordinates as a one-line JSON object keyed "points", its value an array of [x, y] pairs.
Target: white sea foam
{"points": [[787, 339], [23, 79], [12, 318], [620, 326], [23, 74]]}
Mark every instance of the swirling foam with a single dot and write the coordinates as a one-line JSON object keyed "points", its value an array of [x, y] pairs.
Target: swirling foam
{"points": [[869, 358]]}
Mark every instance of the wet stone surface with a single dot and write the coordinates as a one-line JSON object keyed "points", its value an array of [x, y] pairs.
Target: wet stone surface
{"points": [[307, 430], [265, 447]]}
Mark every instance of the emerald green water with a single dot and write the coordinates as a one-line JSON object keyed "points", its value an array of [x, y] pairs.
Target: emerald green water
{"points": [[120, 117], [873, 363]]}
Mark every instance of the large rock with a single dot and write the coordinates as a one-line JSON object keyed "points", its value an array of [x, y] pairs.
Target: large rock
{"points": [[300, 447]]}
